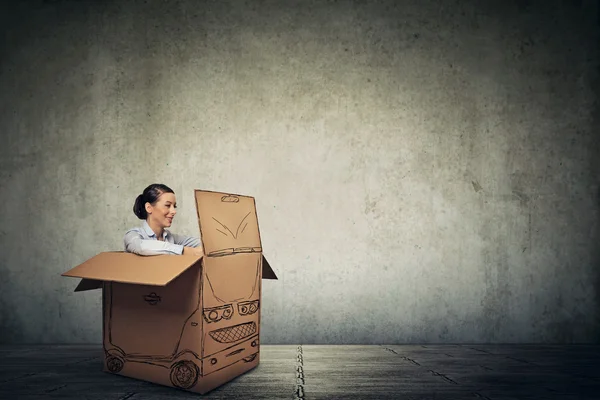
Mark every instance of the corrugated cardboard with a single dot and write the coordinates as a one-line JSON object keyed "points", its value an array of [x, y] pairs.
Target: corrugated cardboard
{"points": [[183, 321]]}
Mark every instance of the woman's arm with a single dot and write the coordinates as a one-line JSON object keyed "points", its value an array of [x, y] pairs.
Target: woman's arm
{"points": [[186, 241], [134, 243]]}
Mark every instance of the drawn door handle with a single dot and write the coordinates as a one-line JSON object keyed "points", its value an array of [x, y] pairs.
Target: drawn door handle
{"points": [[152, 298], [230, 199]]}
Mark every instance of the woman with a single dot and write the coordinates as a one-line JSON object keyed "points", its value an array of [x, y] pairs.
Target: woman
{"points": [[157, 207]]}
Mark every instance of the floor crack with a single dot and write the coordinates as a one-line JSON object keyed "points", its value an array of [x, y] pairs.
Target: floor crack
{"points": [[483, 351], [402, 357], [19, 377], [54, 389], [82, 361], [442, 376], [520, 360]]}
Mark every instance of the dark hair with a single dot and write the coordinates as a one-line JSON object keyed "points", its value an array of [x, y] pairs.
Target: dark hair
{"points": [[149, 195]]}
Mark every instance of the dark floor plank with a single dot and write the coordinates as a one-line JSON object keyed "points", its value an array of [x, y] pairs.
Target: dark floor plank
{"points": [[507, 371], [488, 372], [370, 372], [75, 372]]}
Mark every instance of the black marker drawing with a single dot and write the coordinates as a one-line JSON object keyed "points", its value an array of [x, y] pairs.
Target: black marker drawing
{"points": [[230, 199], [237, 231], [230, 251], [215, 325], [234, 333], [248, 307], [215, 314], [189, 362], [250, 358], [256, 280], [184, 374], [233, 353], [114, 364], [152, 298]]}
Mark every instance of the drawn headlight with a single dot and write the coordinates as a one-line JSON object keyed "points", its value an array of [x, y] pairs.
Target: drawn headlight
{"points": [[248, 307], [215, 314]]}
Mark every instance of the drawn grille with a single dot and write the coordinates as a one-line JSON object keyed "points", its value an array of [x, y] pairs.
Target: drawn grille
{"points": [[234, 333]]}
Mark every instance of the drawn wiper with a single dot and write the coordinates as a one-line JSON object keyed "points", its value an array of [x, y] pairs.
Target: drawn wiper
{"points": [[237, 232]]}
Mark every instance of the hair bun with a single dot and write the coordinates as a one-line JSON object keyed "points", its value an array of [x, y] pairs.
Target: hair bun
{"points": [[149, 195]]}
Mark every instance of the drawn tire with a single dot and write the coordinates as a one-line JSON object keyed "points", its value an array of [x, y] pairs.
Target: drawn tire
{"points": [[184, 374], [114, 364], [250, 358]]}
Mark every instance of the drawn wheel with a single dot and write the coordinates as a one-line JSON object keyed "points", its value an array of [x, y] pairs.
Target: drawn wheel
{"points": [[250, 358], [184, 374], [114, 364]]}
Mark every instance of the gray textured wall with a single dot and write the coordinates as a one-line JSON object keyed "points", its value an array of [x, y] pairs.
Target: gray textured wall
{"points": [[424, 171]]}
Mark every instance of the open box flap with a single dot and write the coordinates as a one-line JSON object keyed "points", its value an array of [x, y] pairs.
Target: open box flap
{"points": [[119, 266], [228, 223], [267, 271], [88, 284]]}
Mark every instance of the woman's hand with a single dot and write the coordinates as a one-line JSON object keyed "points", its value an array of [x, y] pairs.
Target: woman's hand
{"points": [[195, 251]]}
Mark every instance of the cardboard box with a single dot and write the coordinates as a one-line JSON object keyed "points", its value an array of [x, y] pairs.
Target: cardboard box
{"points": [[184, 321]]}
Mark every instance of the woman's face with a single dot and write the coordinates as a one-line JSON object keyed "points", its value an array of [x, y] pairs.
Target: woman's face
{"points": [[163, 212]]}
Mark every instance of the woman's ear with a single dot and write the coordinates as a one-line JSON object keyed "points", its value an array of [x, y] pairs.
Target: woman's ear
{"points": [[148, 208]]}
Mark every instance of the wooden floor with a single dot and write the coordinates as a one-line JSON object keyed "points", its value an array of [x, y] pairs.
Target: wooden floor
{"points": [[327, 372]]}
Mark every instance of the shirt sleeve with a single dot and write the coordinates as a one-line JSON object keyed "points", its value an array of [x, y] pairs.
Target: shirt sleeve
{"points": [[134, 243], [187, 241]]}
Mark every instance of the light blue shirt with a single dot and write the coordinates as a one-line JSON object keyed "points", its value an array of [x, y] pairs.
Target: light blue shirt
{"points": [[143, 241]]}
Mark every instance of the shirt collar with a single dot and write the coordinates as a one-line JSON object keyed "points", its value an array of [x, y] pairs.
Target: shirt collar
{"points": [[150, 232]]}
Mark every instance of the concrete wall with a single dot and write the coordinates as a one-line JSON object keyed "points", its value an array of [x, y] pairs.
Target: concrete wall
{"points": [[424, 171]]}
